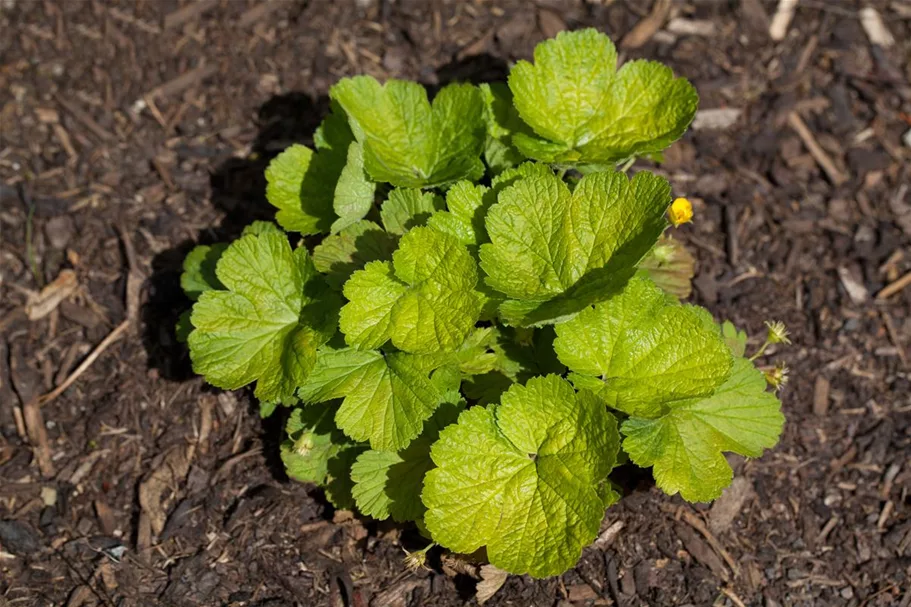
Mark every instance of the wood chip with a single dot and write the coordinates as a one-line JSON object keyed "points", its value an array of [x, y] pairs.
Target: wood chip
{"points": [[80, 596], [453, 565], [37, 436], [754, 16], [738, 602], [901, 209], [399, 594], [691, 27], [550, 22], [821, 396], [41, 304], [105, 516], [47, 115], [82, 472], [135, 277], [187, 13], [125, 17], [855, 289], [581, 594], [874, 27], [778, 29], [259, 11], [895, 337], [727, 508], [716, 119], [206, 406], [889, 480], [65, 142], [492, 579], [608, 535], [643, 31]]}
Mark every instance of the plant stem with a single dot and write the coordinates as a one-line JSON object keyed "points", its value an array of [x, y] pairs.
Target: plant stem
{"points": [[760, 351]]}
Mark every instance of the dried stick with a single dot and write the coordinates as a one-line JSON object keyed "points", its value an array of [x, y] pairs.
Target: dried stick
{"points": [[83, 367], [819, 154]]}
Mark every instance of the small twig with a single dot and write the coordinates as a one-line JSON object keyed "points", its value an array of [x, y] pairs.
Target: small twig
{"points": [[894, 287], [233, 461], [93, 355], [181, 83], [733, 597], [827, 529], [696, 523], [134, 275], [733, 242], [819, 154], [125, 17], [37, 436], [884, 516], [84, 118], [807, 54], [643, 31], [893, 335]]}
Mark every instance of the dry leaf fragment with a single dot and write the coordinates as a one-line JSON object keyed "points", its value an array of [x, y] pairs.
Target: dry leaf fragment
{"points": [[49, 298], [492, 579], [155, 493]]}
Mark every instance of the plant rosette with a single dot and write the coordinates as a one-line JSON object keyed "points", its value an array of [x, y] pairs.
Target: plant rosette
{"points": [[482, 320]]}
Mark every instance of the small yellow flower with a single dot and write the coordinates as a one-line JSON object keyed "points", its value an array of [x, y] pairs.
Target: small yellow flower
{"points": [[778, 333], [681, 212]]}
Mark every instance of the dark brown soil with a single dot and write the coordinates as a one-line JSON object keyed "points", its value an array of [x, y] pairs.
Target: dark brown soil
{"points": [[131, 130]]}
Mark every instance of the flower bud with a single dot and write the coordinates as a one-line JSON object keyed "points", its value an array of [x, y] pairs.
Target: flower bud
{"points": [[778, 333], [777, 377]]}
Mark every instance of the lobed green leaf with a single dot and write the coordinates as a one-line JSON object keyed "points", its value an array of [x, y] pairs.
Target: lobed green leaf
{"points": [[387, 397], [410, 142], [642, 350], [585, 111], [554, 252], [267, 323], [685, 445], [524, 478], [388, 483], [424, 301]]}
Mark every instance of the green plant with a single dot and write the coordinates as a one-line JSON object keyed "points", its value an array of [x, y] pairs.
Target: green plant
{"points": [[473, 353]]}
